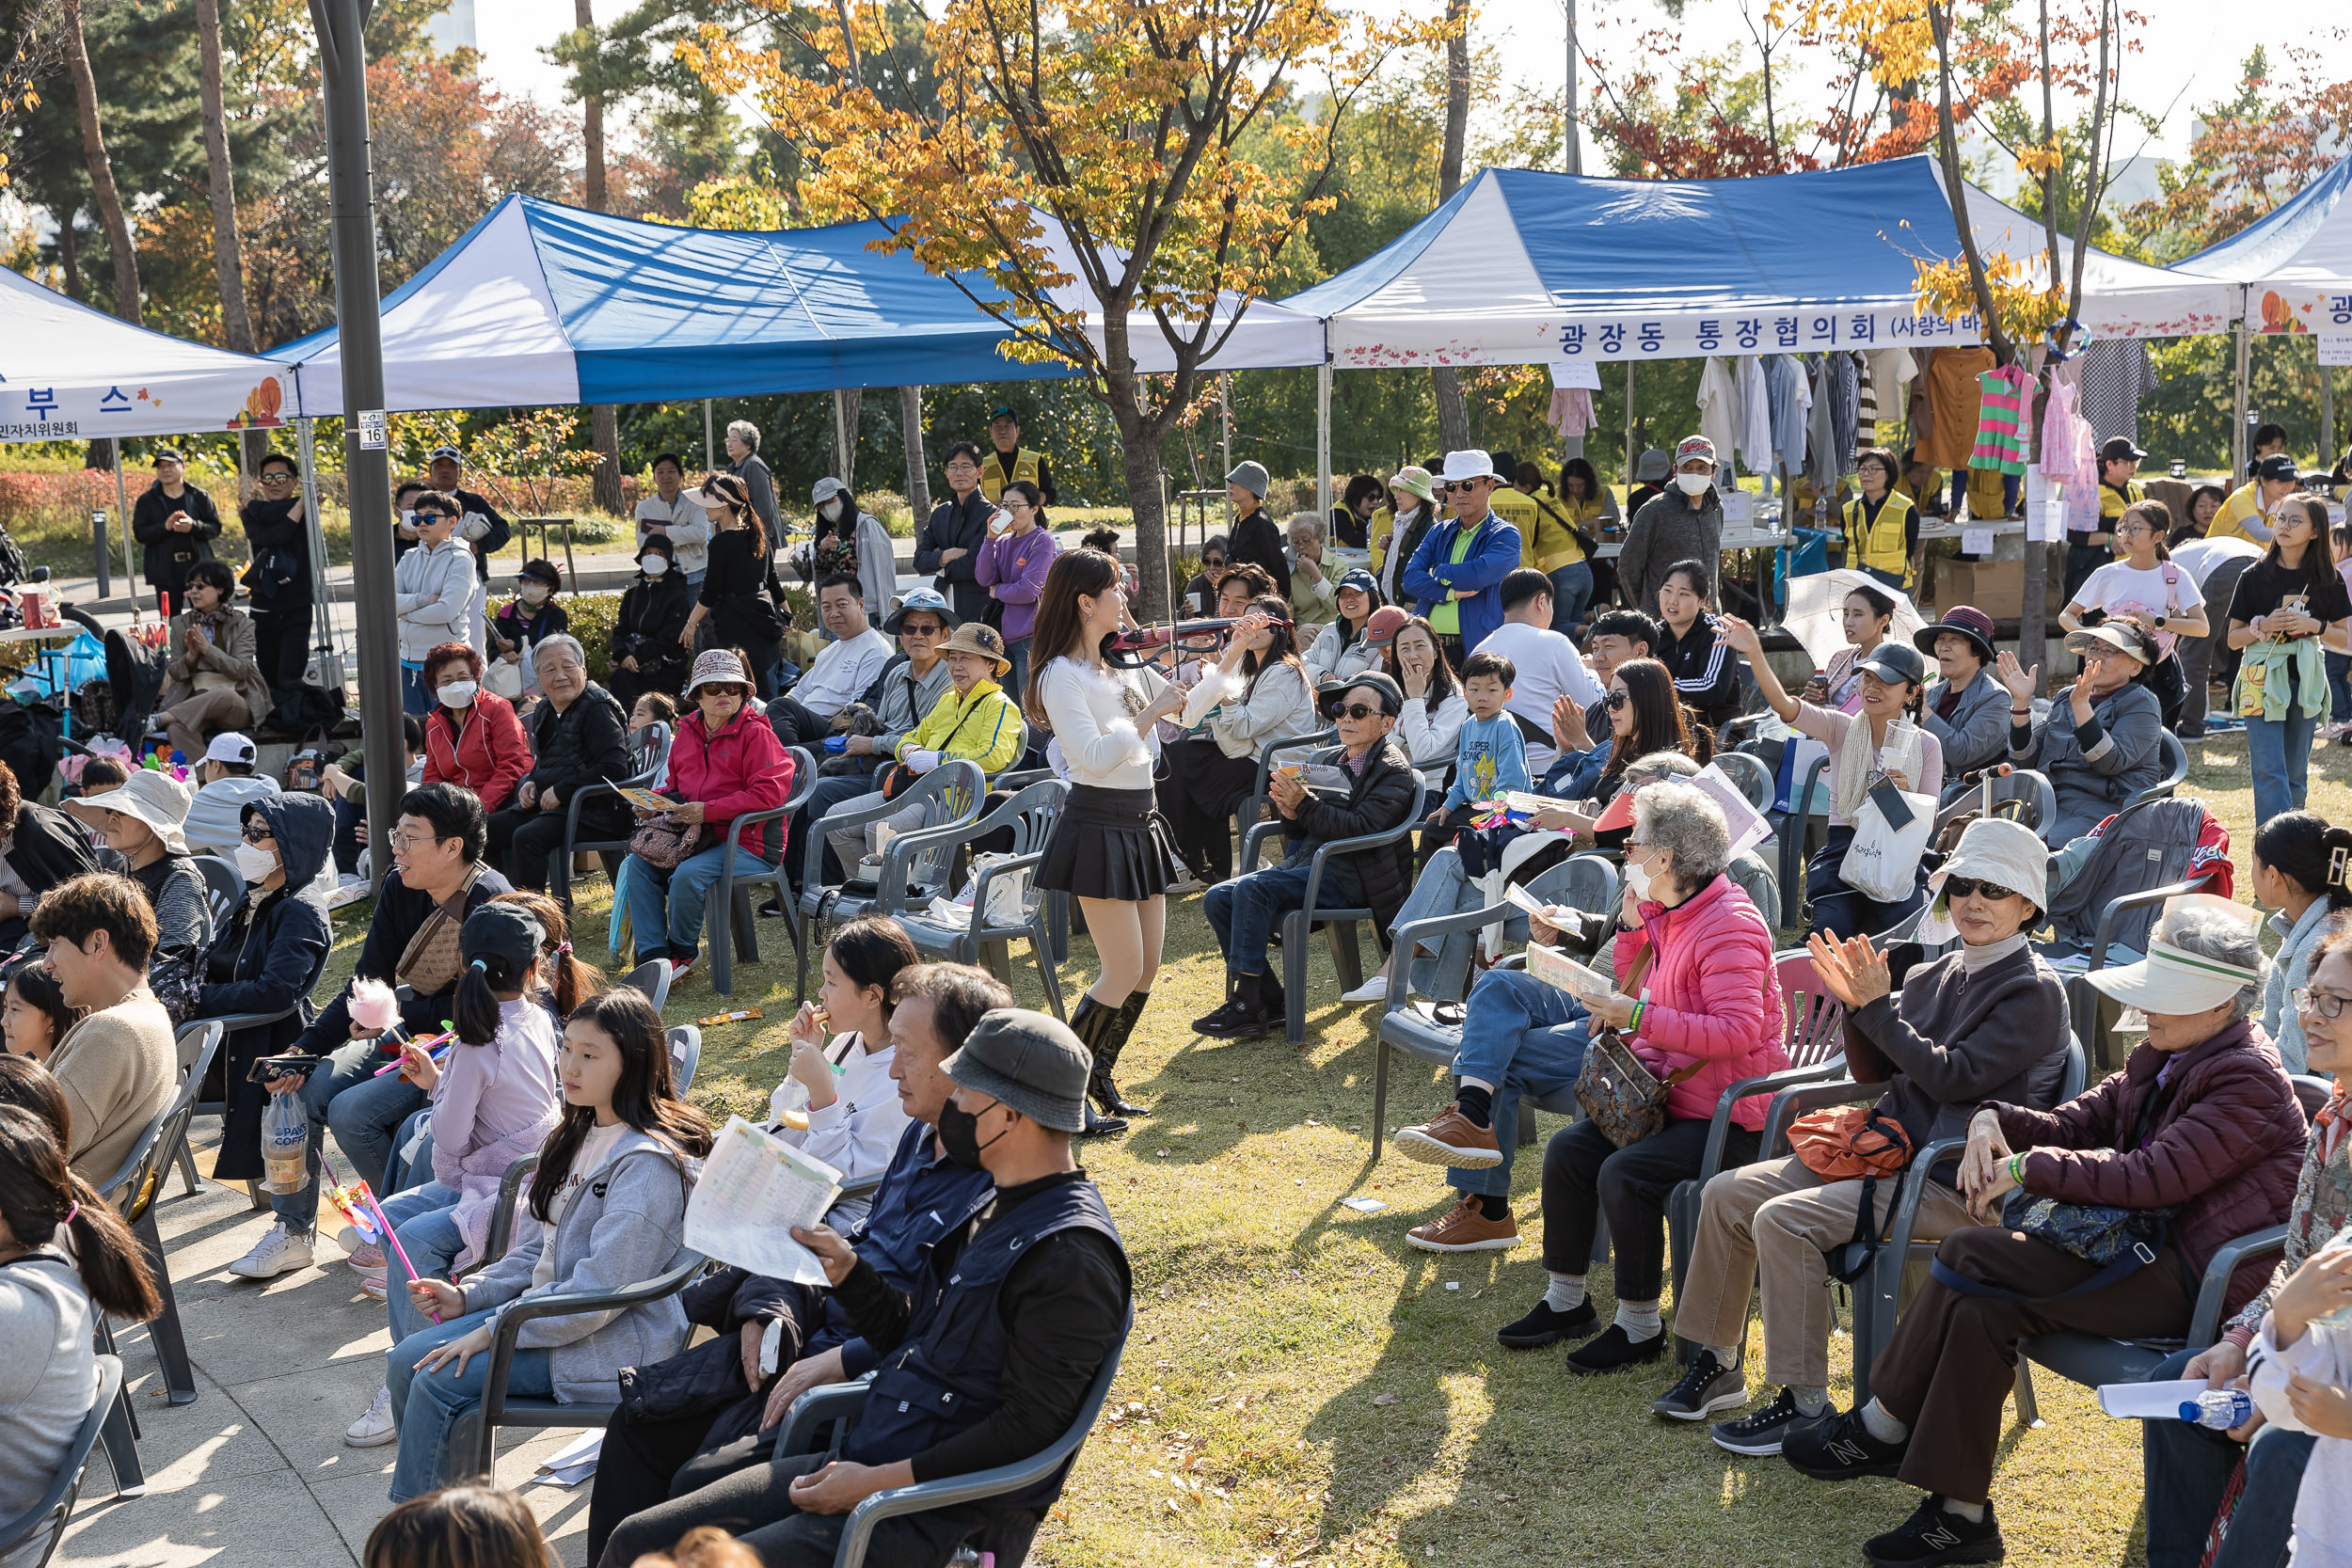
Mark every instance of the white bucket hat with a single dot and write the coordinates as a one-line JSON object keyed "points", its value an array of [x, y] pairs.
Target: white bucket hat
{"points": [[1469, 463], [2173, 980], [155, 799], [1994, 849]]}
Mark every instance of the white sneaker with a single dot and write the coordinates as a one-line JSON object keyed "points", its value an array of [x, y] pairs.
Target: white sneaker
{"points": [[375, 1429], [275, 1253], [1188, 884], [1373, 990], [351, 891]]}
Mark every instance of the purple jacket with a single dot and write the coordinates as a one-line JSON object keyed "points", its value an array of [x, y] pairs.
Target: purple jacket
{"points": [[2222, 1153], [1014, 570]]}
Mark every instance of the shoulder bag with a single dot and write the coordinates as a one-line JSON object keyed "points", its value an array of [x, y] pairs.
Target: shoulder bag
{"points": [[1844, 1142], [664, 843], [1616, 1088]]}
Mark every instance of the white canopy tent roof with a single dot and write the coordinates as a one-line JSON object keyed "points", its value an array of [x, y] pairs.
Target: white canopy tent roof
{"points": [[2296, 264]]}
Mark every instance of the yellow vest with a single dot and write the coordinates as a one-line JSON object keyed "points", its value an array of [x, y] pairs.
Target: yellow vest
{"points": [[1555, 544], [1988, 498], [1518, 508], [1879, 545], [2244, 503], [2112, 502], [1025, 465], [1935, 486]]}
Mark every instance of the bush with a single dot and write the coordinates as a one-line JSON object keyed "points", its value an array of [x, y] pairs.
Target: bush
{"points": [[592, 618]]}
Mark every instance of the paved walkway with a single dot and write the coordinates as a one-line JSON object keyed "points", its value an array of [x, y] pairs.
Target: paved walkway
{"points": [[254, 1474]]}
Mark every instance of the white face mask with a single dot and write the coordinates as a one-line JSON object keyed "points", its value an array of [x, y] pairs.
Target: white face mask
{"points": [[831, 510], [535, 593], [1693, 484], [255, 863], [653, 565], [456, 694], [1637, 877]]}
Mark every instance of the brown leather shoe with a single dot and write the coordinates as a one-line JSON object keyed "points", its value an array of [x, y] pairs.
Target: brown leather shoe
{"points": [[1451, 1139], [1464, 1229]]}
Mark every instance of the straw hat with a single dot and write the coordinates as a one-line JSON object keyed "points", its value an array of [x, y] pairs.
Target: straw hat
{"points": [[978, 637], [154, 798]]}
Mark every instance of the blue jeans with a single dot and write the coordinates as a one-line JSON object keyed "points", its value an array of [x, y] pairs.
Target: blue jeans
{"points": [[401, 1173], [437, 1411], [2187, 1468], [1572, 590], [1244, 911], [1444, 888], [414, 698], [2339, 687], [1018, 674], [425, 1220], [2280, 750], [686, 890], [1523, 1037], [363, 1111]]}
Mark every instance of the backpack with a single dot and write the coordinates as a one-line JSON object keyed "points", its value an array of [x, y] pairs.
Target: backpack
{"points": [[2143, 846]]}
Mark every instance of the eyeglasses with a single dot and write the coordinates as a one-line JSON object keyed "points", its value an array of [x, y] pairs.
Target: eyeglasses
{"points": [[1619, 699], [2320, 1004], [257, 833], [1356, 710], [405, 844], [277, 476], [1971, 887]]}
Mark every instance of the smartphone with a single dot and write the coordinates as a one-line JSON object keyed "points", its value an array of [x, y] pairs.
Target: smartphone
{"points": [[270, 1069]]}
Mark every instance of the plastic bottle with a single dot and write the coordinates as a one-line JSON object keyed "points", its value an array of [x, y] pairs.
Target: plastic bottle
{"points": [[285, 1144], [2221, 1409]]}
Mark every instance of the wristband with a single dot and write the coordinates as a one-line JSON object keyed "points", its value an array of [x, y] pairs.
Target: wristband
{"points": [[1633, 1024], [2017, 1170]]}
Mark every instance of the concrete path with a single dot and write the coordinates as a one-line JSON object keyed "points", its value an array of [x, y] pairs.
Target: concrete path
{"points": [[254, 1474]]}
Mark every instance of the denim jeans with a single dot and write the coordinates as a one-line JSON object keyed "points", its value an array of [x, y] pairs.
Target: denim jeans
{"points": [[364, 1113], [2339, 688], [1018, 674], [414, 698], [1572, 590], [2280, 750], [2187, 1468], [1245, 910], [437, 1411], [402, 1170], [425, 1220], [685, 890], [1524, 1038], [1445, 889]]}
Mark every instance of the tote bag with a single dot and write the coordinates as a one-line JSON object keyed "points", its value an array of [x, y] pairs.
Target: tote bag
{"points": [[1883, 862]]}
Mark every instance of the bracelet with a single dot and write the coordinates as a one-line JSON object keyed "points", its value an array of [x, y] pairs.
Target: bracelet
{"points": [[2021, 713], [2017, 1170], [1633, 1024]]}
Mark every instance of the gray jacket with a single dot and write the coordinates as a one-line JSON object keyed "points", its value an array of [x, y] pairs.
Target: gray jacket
{"points": [[2096, 780], [626, 1225], [1667, 530], [433, 596], [907, 699], [1977, 735]]}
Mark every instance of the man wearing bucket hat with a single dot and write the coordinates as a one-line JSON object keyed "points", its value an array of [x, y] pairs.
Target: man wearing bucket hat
{"points": [[1023, 1302], [1684, 524], [1965, 708], [2200, 1133], [1455, 577], [2098, 745]]}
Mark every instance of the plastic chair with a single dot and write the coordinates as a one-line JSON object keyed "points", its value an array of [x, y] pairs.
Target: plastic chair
{"points": [[1030, 814], [1789, 827], [2175, 761], [2028, 792], [842, 1402], [54, 1507], [950, 796], [652, 978], [730, 901], [1749, 773], [686, 1053], [224, 886], [647, 755]]}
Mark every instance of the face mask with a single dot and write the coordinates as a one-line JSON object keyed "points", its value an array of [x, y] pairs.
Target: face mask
{"points": [[960, 1134], [1637, 877], [831, 510], [455, 694], [535, 593], [1693, 484], [255, 863], [653, 565]]}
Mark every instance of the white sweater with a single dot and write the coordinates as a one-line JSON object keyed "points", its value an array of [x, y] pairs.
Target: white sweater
{"points": [[1092, 713], [1431, 739], [2323, 1531], [859, 1132]]}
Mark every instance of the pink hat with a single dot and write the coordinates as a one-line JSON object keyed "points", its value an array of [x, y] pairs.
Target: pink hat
{"points": [[717, 667]]}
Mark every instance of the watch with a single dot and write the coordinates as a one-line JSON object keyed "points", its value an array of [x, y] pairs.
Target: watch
{"points": [[2159, 623]]}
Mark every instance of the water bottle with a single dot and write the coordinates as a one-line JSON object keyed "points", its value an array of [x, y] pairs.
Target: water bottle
{"points": [[286, 1144], [2221, 1409]]}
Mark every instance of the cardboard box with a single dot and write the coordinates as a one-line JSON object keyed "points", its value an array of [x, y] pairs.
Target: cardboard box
{"points": [[1995, 587]]}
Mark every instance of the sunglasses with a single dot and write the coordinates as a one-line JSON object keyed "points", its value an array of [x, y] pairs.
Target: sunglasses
{"points": [[1212, 562], [1619, 699], [257, 833], [1460, 486], [1971, 887], [716, 689], [1357, 710], [2320, 1004]]}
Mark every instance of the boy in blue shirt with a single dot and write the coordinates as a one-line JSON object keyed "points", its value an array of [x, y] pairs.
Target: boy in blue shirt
{"points": [[1490, 759]]}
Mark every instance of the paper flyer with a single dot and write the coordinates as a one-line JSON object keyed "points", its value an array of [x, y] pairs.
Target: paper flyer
{"points": [[755, 1188]]}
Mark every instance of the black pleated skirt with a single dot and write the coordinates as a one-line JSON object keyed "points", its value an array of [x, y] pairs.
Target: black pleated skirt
{"points": [[1109, 844]]}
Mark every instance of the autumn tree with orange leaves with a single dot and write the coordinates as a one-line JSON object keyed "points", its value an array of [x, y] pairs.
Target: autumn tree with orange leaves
{"points": [[1119, 158]]}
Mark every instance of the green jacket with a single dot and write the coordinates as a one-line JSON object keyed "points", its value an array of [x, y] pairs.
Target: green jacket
{"points": [[2261, 691]]}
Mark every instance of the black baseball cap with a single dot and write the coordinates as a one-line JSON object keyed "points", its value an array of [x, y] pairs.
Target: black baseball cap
{"points": [[2278, 467], [2121, 450]]}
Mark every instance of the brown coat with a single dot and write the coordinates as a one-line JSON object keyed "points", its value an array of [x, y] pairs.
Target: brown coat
{"points": [[233, 657], [119, 1068]]}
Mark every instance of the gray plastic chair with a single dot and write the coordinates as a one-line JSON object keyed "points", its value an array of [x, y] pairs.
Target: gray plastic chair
{"points": [[224, 886], [2175, 761], [652, 978], [651, 750], [2035, 801], [1030, 814], [686, 1053], [730, 901], [53, 1508], [950, 795]]}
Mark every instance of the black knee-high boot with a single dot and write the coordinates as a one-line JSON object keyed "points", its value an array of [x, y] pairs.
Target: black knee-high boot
{"points": [[1092, 1021], [1101, 1087]]}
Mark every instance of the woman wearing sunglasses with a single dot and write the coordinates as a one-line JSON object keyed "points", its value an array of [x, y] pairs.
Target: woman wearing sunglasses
{"points": [[1200, 593]]}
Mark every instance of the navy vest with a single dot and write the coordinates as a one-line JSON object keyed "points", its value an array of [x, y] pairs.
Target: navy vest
{"points": [[948, 1376]]}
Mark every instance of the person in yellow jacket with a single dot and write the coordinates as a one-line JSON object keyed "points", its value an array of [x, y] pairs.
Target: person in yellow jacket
{"points": [[1882, 524], [1008, 460], [2247, 513], [1514, 502], [974, 721], [2087, 550]]}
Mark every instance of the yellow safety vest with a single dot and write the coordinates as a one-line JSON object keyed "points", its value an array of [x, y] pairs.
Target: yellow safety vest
{"points": [[1556, 545], [1025, 465], [2244, 503], [2112, 502], [1518, 508], [1879, 545]]}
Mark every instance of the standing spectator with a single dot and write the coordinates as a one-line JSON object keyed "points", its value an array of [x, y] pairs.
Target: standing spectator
{"points": [[212, 684], [851, 541], [841, 673], [471, 738], [2144, 587], [177, 523], [1313, 592], [1547, 664], [1009, 463], [2088, 549], [1012, 567], [2302, 869], [117, 1066], [1397, 538], [736, 597], [1363, 512], [2245, 514], [225, 783], [2098, 744], [1685, 524], [1456, 574], [277, 532], [1340, 650], [1965, 708], [668, 516], [527, 619], [950, 543], [2290, 607], [1882, 526], [405, 517], [1706, 677], [481, 529], [140, 822], [1254, 541], [433, 596], [2215, 565], [759, 483], [579, 737], [1569, 530], [648, 652], [39, 848]]}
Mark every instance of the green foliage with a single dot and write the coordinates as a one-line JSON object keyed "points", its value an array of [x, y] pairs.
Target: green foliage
{"points": [[592, 618]]}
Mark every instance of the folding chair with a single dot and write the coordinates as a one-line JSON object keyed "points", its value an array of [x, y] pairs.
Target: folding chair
{"points": [[652, 978], [224, 886], [2174, 757], [730, 901], [1030, 814], [2025, 793], [48, 1517], [950, 796], [686, 1053], [651, 750]]}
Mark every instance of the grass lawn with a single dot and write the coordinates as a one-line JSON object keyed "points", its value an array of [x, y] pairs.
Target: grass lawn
{"points": [[1304, 1388]]}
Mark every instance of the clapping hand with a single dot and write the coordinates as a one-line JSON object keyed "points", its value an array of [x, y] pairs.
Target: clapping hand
{"points": [[1568, 724], [1853, 970], [2022, 682]]}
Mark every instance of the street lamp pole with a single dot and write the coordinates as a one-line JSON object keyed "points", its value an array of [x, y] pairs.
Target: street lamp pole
{"points": [[367, 463], [1575, 155]]}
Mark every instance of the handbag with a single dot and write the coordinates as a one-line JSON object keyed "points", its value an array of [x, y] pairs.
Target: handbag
{"points": [[664, 843], [1844, 1142], [2122, 1241], [504, 679], [176, 978], [1883, 860], [1617, 1089]]}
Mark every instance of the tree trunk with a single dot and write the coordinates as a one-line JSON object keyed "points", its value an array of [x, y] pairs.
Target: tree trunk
{"points": [[604, 434], [1140, 458], [228, 254], [918, 468], [69, 253], [591, 129], [846, 404], [1453, 418], [101, 174]]}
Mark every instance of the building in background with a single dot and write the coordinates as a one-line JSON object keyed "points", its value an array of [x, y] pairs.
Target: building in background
{"points": [[454, 27]]}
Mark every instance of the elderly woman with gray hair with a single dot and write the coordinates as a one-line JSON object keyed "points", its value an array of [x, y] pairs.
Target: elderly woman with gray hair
{"points": [[2201, 1134], [580, 737]]}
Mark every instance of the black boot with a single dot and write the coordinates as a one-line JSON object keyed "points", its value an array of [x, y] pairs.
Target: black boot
{"points": [[1090, 1021], [1101, 1087], [1245, 1017]]}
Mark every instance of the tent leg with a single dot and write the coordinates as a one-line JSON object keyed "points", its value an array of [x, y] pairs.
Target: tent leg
{"points": [[1323, 439], [323, 614], [1225, 415], [130, 545], [2237, 425], [710, 447]]}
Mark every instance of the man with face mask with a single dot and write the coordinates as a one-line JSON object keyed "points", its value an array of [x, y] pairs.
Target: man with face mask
{"points": [[668, 516], [1684, 524]]}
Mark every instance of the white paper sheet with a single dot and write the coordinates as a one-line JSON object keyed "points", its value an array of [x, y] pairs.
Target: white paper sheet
{"points": [[1739, 509], [1975, 540], [2149, 1400], [1748, 827], [572, 1463], [753, 1189]]}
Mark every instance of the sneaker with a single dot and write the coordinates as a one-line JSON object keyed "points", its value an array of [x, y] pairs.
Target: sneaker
{"points": [[1188, 884], [1614, 1351], [277, 1252], [375, 1429], [373, 1287], [1373, 990], [1839, 1448], [1451, 1139], [1762, 1434], [353, 890], [1934, 1534], [682, 968], [1544, 1326], [367, 1259], [1706, 1386], [1464, 1228]]}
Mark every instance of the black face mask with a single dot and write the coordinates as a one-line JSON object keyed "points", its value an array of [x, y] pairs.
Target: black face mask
{"points": [[959, 1136]]}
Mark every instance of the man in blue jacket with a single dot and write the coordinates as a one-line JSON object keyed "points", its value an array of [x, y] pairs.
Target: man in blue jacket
{"points": [[1455, 577]]}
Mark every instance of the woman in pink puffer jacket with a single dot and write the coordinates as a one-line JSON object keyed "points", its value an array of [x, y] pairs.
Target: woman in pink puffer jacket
{"points": [[1708, 1000]]}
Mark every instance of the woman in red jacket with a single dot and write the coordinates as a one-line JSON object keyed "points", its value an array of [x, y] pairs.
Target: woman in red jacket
{"points": [[725, 762], [2202, 1128], [471, 738], [1695, 989]]}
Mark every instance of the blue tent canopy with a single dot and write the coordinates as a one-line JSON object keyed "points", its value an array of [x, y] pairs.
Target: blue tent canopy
{"points": [[541, 304]]}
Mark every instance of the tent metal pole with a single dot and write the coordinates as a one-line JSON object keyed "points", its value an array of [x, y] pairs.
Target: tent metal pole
{"points": [[1323, 439], [1630, 455], [1573, 160], [130, 545], [710, 447], [2244, 389], [1225, 415], [321, 601]]}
